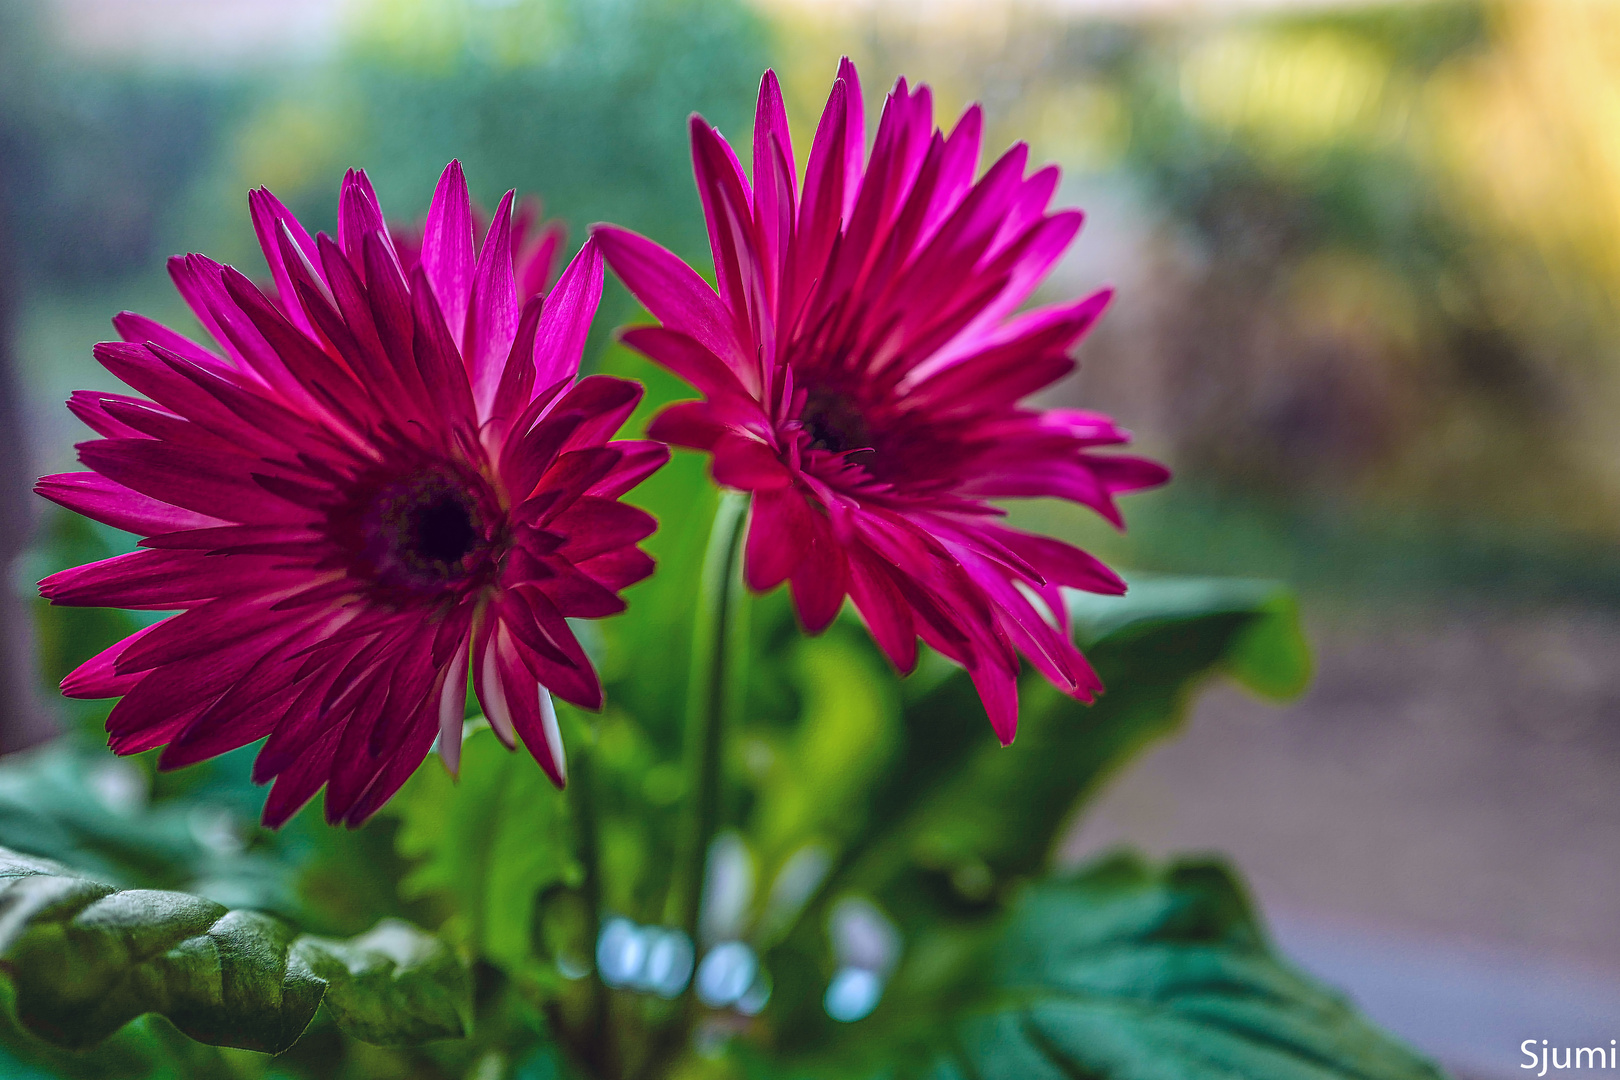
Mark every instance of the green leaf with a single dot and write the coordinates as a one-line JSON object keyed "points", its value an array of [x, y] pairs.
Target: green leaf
{"points": [[489, 844], [1129, 972], [393, 985], [1153, 648], [1270, 657], [85, 958]]}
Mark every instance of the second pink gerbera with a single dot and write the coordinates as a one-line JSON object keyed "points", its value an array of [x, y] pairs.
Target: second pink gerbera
{"points": [[380, 475], [863, 370]]}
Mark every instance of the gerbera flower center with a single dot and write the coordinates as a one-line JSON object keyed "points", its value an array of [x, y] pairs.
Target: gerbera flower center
{"points": [[834, 422], [429, 524], [428, 531], [441, 532]]}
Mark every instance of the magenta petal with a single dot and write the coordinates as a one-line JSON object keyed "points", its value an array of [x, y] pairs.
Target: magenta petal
{"points": [[596, 526], [193, 479], [775, 185], [492, 308], [998, 689], [209, 627], [619, 569], [546, 643], [166, 700], [688, 424], [821, 580], [779, 532], [855, 126], [748, 464], [883, 607], [534, 718], [447, 248], [822, 205], [111, 503], [638, 459], [157, 580], [138, 329], [603, 402], [578, 595], [98, 677], [1063, 564], [359, 215], [270, 217], [685, 358], [559, 341], [1120, 473], [398, 769], [299, 783]]}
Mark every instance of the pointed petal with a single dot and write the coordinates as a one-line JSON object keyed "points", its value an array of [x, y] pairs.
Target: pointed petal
{"points": [[565, 322], [492, 309], [447, 248]]}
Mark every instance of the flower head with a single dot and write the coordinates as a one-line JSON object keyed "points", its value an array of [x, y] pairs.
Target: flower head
{"points": [[380, 475], [863, 370]]}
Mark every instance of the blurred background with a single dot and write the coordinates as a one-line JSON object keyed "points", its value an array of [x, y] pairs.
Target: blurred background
{"points": [[1368, 261]]}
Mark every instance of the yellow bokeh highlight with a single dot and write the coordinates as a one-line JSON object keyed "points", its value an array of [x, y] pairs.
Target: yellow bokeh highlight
{"points": [[1298, 91], [1529, 132]]}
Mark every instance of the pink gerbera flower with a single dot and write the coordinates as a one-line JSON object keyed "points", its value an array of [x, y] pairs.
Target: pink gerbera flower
{"points": [[388, 473], [863, 369]]}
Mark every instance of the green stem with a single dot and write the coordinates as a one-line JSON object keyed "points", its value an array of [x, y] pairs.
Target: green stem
{"points": [[600, 1042], [719, 644]]}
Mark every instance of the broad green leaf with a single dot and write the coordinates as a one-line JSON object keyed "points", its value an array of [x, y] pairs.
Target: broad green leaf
{"points": [[1130, 972], [85, 958], [393, 985], [1270, 657], [971, 805], [60, 803], [490, 844]]}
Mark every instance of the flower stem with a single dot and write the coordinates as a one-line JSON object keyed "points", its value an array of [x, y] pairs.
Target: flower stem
{"points": [[719, 653]]}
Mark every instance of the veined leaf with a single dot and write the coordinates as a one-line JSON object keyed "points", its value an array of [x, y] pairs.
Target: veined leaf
{"points": [[86, 957], [1130, 972]]}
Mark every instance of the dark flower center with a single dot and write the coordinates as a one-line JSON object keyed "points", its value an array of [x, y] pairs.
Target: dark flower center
{"points": [[427, 525], [441, 531], [421, 533], [834, 422]]}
